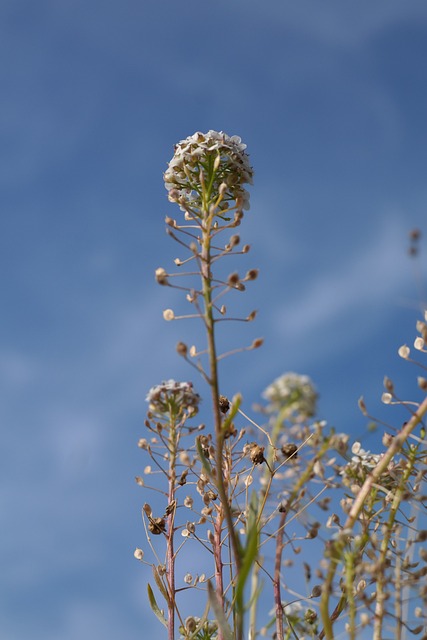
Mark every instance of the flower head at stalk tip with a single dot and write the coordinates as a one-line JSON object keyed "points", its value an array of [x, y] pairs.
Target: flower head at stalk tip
{"points": [[212, 163], [294, 392], [173, 396]]}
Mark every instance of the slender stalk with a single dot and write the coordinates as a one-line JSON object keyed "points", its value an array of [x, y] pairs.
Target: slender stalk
{"points": [[385, 545], [277, 574], [170, 555], [214, 386], [219, 578], [253, 600]]}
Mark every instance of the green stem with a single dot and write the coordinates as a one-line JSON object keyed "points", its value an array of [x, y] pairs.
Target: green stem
{"points": [[170, 529], [385, 545], [206, 274]]}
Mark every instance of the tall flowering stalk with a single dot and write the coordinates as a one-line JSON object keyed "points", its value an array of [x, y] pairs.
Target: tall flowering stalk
{"points": [[206, 178], [247, 494]]}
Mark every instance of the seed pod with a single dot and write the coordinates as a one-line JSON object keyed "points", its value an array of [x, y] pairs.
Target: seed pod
{"points": [[157, 526], [289, 450], [256, 454], [224, 404]]}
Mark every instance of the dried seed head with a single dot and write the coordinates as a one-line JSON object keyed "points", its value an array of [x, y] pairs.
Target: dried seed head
{"points": [[256, 453], [258, 342], [224, 404], [362, 406], [191, 527], [181, 349], [289, 450], [252, 274], [183, 479], [147, 509], [233, 279], [170, 508], [190, 622], [388, 384], [157, 526]]}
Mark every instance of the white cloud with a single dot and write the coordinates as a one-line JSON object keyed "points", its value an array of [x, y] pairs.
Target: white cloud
{"points": [[373, 278]]}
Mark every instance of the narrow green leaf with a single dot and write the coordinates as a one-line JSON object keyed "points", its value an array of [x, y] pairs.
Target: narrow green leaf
{"points": [[250, 551], [155, 607], [219, 613], [160, 584]]}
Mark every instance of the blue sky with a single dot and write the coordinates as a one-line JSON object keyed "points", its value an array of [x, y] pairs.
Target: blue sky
{"points": [[331, 99]]}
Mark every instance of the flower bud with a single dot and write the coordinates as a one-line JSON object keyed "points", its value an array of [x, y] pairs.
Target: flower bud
{"points": [[161, 276], [181, 349]]}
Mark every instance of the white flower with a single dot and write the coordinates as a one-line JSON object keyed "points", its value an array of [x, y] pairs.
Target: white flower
{"points": [[363, 462], [293, 391], [138, 554], [217, 156], [173, 396], [365, 458]]}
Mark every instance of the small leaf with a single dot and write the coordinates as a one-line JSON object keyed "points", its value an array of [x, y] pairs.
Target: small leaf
{"points": [[155, 607], [160, 584]]}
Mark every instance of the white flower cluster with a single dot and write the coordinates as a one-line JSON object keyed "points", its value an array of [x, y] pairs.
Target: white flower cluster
{"points": [[293, 391], [367, 459], [175, 396], [224, 163], [363, 462]]}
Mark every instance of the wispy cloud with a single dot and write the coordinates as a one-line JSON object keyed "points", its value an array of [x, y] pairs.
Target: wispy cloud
{"points": [[358, 291]]}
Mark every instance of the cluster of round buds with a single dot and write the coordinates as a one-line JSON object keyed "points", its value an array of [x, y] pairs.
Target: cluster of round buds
{"points": [[175, 397], [294, 392], [210, 160], [206, 630]]}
